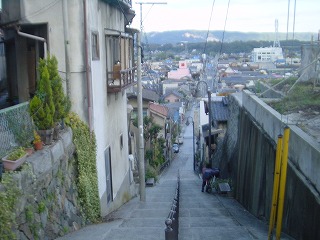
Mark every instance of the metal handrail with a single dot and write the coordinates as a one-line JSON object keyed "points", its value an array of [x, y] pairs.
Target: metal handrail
{"points": [[172, 221]]}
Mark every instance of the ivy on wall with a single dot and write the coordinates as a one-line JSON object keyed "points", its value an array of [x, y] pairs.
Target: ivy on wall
{"points": [[85, 155], [8, 198]]}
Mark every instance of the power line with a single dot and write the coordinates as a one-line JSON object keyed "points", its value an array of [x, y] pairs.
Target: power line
{"points": [[205, 46], [288, 19], [294, 19], [224, 29]]}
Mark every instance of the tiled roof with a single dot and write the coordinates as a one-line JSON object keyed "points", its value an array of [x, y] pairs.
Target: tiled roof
{"points": [[146, 94], [160, 109], [220, 110], [174, 92]]}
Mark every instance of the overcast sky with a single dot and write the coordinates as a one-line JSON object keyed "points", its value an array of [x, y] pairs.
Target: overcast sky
{"points": [[243, 15]]}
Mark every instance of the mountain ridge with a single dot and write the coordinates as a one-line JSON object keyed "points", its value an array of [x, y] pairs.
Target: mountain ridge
{"points": [[196, 36]]}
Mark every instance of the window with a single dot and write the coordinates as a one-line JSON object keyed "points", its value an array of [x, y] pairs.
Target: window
{"points": [[95, 46]]}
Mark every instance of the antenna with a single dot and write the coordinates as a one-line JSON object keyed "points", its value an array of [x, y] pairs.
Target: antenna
{"points": [[276, 42], [152, 3]]}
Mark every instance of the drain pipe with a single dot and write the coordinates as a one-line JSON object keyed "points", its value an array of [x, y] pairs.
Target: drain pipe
{"points": [[66, 45], [41, 39], [89, 85]]}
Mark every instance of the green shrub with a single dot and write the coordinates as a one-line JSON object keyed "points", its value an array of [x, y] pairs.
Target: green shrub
{"points": [[41, 105], [87, 179], [8, 200]]}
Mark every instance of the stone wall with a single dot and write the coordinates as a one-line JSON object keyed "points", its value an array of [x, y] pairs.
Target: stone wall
{"points": [[48, 207]]}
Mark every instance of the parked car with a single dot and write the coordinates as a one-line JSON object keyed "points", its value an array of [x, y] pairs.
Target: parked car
{"points": [[175, 148]]}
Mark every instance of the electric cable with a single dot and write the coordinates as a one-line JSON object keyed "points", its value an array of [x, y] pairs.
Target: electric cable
{"points": [[205, 45], [224, 28], [294, 19], [288, 20]]}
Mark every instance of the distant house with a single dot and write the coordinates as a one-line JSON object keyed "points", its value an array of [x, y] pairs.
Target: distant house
{"points": [[220, 113], [176, 110], [173, 96], [171, 84], [182, 72], [159, 114], [147, 97]]}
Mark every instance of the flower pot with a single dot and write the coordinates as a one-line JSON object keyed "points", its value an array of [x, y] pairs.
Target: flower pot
{"points": [[38, 146], [46, 136], [56, 132], [13, 164], [29, 150]]}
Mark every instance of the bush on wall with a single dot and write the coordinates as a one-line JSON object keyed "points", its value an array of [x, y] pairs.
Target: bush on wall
{"points": [[85, 143], [8, 198]]}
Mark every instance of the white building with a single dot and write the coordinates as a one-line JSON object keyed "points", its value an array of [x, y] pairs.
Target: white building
{"points": [[87, 38], [267, 54]]}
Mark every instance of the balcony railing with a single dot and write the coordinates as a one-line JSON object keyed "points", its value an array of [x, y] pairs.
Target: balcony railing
{"points": [[120, 80]]}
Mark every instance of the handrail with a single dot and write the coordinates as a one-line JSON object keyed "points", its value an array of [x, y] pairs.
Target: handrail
{"points": [[172, 222]]}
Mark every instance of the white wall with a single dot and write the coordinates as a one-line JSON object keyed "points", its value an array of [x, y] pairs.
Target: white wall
{"points": [[109, 110]]}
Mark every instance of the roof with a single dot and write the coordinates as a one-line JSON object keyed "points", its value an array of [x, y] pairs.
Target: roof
{"points": [[147, 94], [159, 109], [219, 110], [173, 92], [173, 110]]}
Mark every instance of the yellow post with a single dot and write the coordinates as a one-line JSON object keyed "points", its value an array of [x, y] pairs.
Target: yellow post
{"points": [[275, 193], [283, 178]]}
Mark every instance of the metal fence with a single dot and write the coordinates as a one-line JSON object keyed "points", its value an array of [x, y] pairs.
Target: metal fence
{"points": [[16, 128], [172, 222]]}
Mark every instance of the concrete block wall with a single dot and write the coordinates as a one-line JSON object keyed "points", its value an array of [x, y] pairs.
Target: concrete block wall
{"points": [[302, 200], [304, 151]]}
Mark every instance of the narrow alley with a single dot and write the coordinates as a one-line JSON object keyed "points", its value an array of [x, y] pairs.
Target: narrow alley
{"points": [[202, 215]]}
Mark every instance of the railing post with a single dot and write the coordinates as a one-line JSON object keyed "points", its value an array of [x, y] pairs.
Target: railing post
{"points": [[169, 231], [172, 222]]}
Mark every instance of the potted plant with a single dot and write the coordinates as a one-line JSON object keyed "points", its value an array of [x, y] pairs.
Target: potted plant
{"points": [[41, 106], [60, 100], [14, 159], [29, 148], [37, 143]]}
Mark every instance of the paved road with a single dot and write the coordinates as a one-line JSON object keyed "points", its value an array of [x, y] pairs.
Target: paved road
{"points": [[202, 216]]}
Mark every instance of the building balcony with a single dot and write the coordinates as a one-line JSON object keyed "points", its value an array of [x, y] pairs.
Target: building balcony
{"points": [[120, 80]]}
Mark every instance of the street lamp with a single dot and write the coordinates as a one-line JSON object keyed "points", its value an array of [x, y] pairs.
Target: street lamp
{"points": [[187, 123], [209, 115]]}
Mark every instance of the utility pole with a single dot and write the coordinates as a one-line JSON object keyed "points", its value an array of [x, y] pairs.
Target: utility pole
{"points": [[142, 187]]}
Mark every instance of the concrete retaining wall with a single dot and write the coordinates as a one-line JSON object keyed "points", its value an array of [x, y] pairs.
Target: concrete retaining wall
{"points": [[304, 151], [250, 164]]}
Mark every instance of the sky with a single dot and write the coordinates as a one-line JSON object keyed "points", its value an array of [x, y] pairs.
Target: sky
{"points": [[243, 15]]}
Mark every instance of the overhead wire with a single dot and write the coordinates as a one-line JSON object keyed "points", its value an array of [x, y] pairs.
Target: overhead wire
{"points": [[288, 20], [205, 45], [294, 19], [224, 28]]}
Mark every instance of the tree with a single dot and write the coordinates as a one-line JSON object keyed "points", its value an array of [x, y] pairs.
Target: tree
{"points": [[60, 100], [41, 107]]}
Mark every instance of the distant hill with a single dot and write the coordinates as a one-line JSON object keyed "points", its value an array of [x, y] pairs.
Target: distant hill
{"points": [[195, 36]]}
